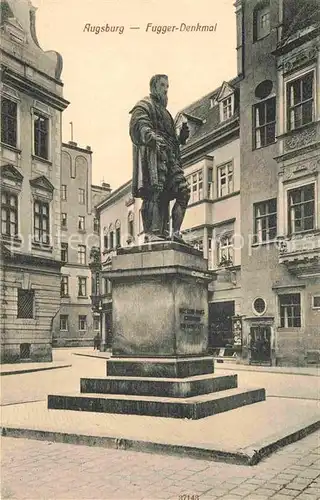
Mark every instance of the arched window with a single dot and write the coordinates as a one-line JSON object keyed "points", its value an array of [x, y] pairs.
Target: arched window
{"points": [[131, 224], [261, 20], [118, 234], [111, 236]]}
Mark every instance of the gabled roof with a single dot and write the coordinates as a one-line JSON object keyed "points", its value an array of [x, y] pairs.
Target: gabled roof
{"points": [[42, 183], [208, 115]]}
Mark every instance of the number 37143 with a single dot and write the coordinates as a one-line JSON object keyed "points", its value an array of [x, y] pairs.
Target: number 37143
{"points": [[189, 497]]}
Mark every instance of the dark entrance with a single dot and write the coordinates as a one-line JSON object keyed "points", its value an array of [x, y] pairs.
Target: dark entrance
{"points": [[260, 345], [220, 324]]}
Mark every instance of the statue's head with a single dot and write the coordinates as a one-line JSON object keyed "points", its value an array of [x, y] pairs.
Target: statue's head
{"points": [[159, 85]]}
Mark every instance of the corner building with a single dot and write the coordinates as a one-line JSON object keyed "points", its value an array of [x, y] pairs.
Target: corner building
{"points": [[31, 112], [278, 63], [76, 324]]}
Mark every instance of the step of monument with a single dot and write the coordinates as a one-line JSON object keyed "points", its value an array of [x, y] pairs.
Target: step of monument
{"points": [[178, 367], [167, 387], [193, 408]]}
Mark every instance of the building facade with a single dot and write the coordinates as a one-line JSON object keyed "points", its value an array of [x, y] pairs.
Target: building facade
{"points": [[76, 324], [211, 162], [278, 66], [31, 107]]}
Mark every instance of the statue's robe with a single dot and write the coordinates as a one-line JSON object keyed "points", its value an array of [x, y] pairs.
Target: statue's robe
{"points": [[152, 168]]}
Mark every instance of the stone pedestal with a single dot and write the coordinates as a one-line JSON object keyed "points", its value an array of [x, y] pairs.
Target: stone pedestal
{"points": [[159, 301], [159, 364]]}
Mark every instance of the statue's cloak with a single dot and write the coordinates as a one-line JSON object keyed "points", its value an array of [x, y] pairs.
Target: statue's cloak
{"points": [[149, 117]]}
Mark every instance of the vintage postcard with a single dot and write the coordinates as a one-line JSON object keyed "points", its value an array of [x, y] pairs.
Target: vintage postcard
{"points": [[160, 271]]}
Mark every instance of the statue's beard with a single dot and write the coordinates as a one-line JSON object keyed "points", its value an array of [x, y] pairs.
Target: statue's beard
{"points": [[163, 99]]}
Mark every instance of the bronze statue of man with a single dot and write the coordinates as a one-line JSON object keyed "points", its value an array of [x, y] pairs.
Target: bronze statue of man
{"points": [[158, 177]]}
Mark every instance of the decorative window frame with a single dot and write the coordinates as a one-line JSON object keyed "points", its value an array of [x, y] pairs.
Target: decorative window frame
{"points": [[12, 95], [42, 190], [255, 312], [225, 234], [287, 78], [289, 186], [43, 110]]}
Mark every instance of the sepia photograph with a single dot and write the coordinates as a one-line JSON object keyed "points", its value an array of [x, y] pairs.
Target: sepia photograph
{"points": [[160, 249]]}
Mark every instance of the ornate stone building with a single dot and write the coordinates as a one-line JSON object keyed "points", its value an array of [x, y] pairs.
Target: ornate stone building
{"points": [[31, 107], [76, 324], [279, 68]]}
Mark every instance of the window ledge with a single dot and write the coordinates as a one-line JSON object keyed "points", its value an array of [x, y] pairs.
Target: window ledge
{"points": [[289, 329], [64, 228], [83, 296], [302, 233], [256, 40], [82, 231], [11, 148], [265, 146], [42, 247], [264, 243], [288, 133], [43, 160]]}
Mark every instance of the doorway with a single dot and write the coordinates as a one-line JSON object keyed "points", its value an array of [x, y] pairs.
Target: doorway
{"points": [[260, 345]]}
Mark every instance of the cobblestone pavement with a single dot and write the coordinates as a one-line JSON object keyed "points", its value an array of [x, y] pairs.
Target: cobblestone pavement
{"points": [[37, 470]]}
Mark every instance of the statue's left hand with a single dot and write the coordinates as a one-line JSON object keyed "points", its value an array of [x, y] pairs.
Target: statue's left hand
{"points": [[184, 134]]}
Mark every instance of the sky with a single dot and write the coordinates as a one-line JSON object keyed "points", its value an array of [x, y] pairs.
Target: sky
{"points": [[105, 74]]}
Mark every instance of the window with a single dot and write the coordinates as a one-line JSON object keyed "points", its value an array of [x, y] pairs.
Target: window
{"points": [[25, 303], [130, 224], [195, 182], [210, 253], [82, 287], [210, 183], [105, 241], [9, 122], [118, 234], [225, 249], [82, 254], [41, 222], [64, 290], [301, 209], [265, 221], [9, 214], [225, 179], [107, 286], [290, 310], [82, 323], [300, 101], [64, 252], [226, 108], [81, 223], [41, 136], [197, 244], [264, 123], [64, 322], [96, 225], [259, 306], [261, 21], [63, 192], [81, 196], [96, 323], [316, 302], [64, 219], [111, 239], [25, 351]]}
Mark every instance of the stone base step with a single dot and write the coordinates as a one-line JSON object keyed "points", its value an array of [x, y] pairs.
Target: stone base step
{"points": [[194, 408], [166, 387], [175, 367]]}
